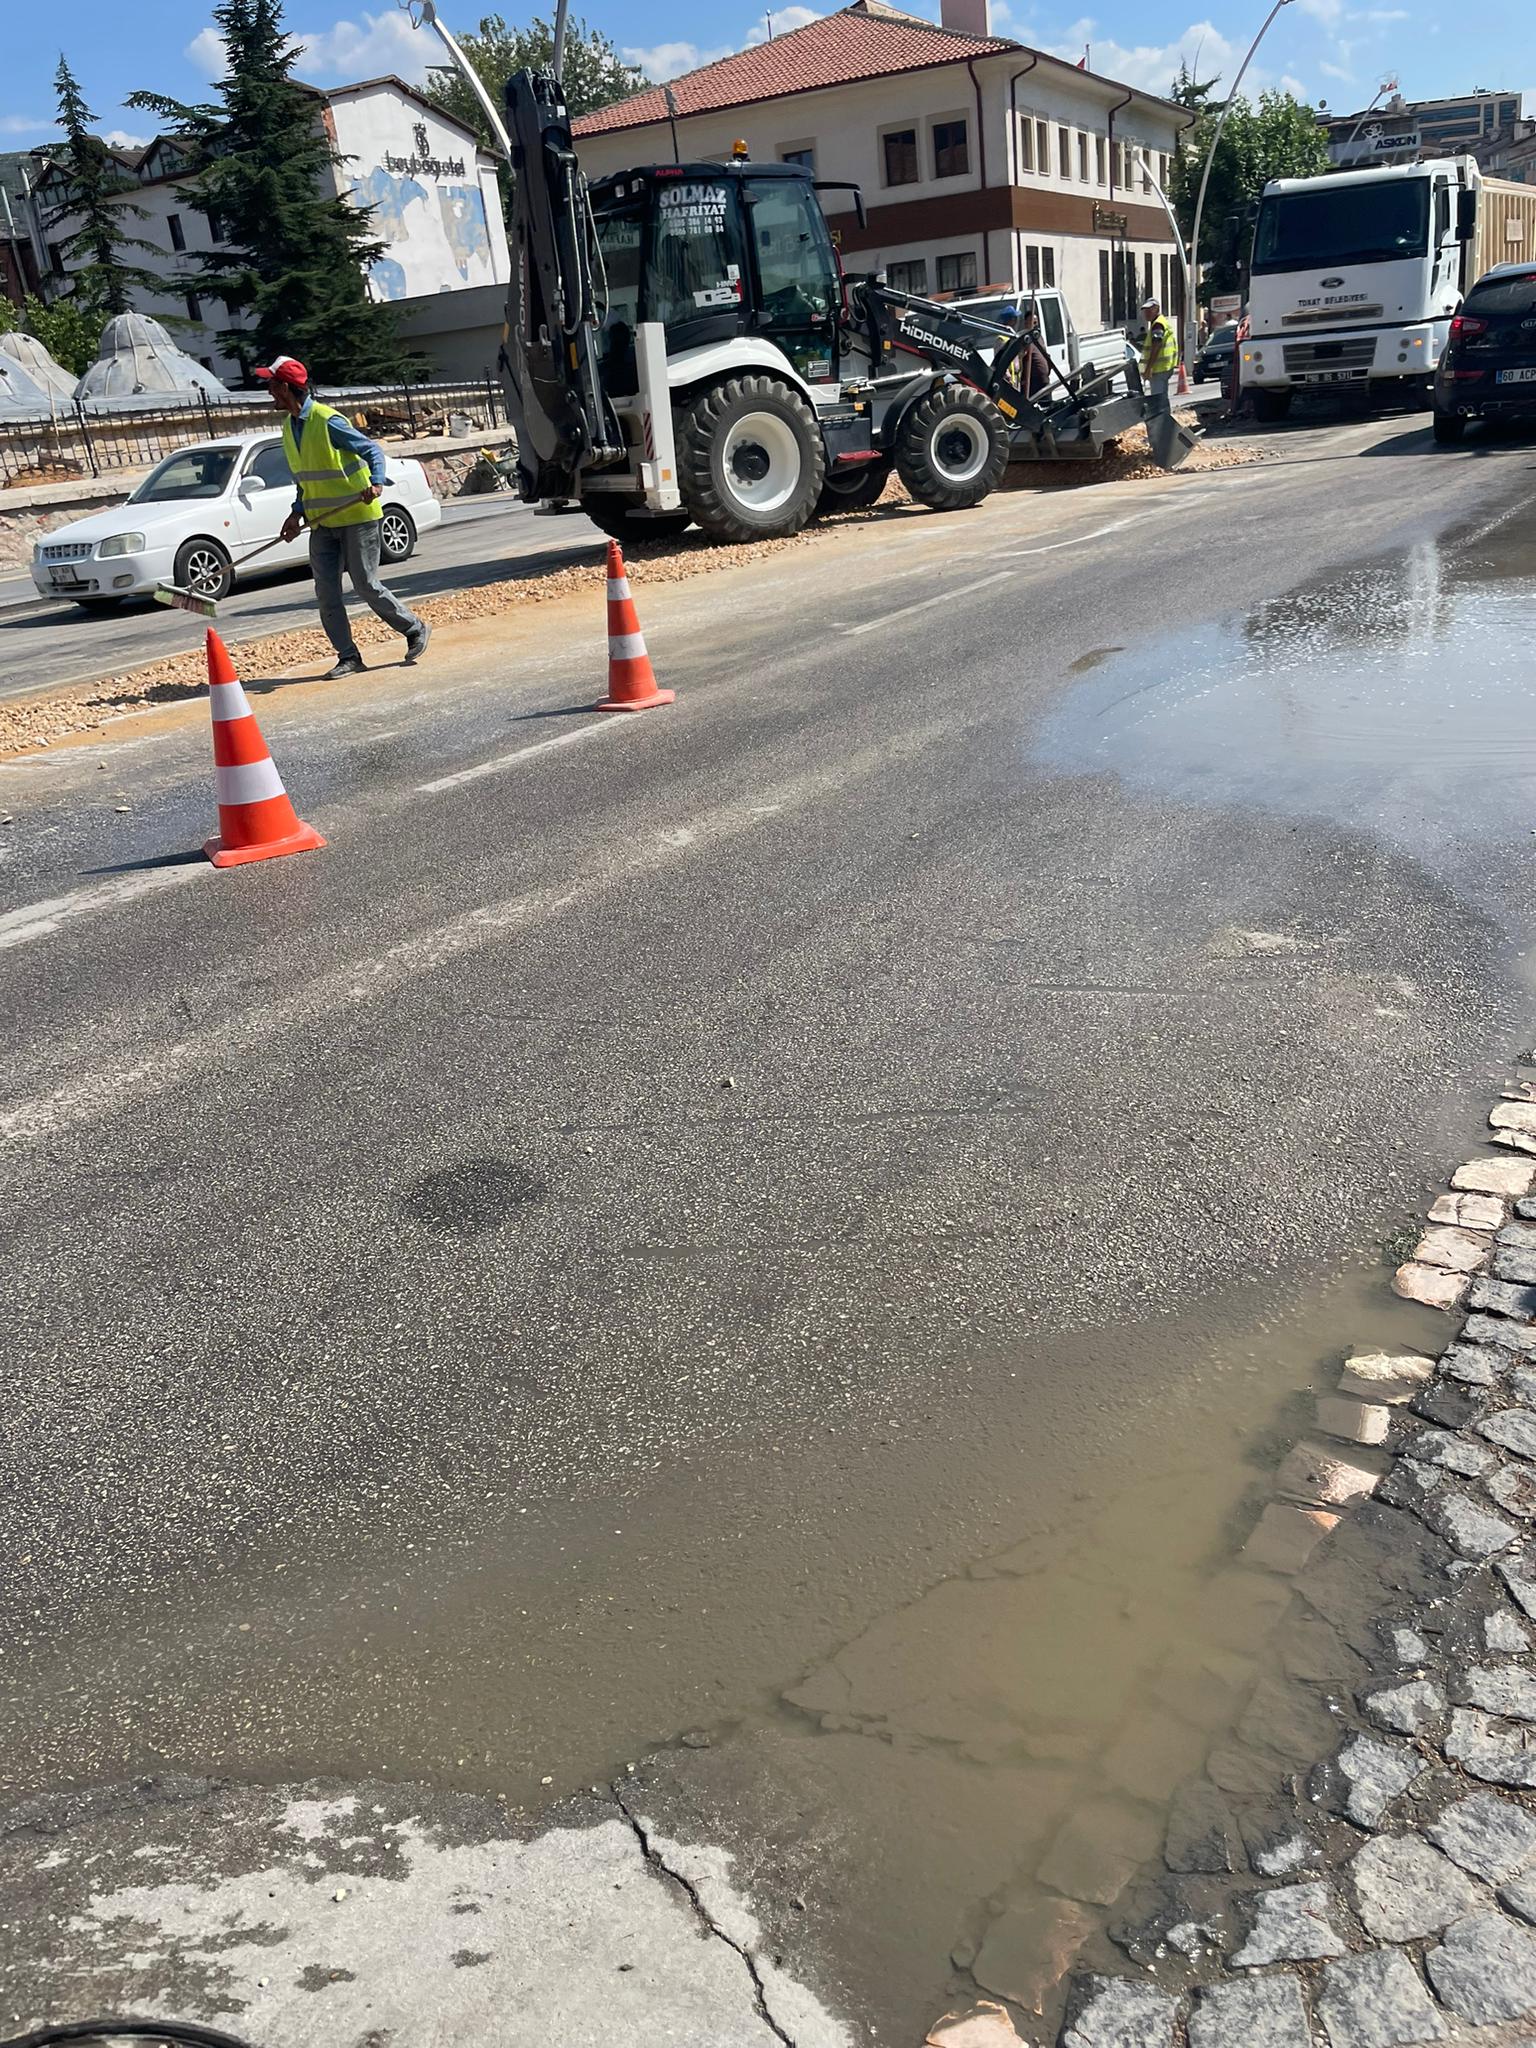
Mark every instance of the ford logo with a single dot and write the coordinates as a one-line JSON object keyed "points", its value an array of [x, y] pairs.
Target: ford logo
{"points": [[1329, 282]]}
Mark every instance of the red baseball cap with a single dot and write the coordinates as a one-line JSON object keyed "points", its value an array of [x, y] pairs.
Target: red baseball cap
{"points": [[289, 368]]}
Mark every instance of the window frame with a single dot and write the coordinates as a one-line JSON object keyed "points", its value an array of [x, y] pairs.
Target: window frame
{"points": [[1024, 158], [1082, 157], [896, 131], [1064, 153], [949, 121], [177, 233], [959, 257], [919, 289], [803, 153]]}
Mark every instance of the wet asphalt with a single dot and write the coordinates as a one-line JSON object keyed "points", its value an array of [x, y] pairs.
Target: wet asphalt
{"points": [[545, 1273]]}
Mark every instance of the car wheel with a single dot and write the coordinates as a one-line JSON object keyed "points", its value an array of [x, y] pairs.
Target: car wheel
{"points": [[397, 534], [1449, 427], [202, 567]]}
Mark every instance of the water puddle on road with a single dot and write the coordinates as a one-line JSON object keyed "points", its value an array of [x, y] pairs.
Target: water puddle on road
{"points": [[1394, 698]]}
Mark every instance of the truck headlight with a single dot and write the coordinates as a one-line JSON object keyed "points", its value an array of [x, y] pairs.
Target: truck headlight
{"points": [[122, 544]]}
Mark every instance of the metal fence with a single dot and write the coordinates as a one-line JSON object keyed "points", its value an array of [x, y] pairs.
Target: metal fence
{"points": [[91, 440]]}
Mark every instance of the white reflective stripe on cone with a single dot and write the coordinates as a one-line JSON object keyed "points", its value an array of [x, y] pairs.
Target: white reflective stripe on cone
{"points": [[229, 701], [626, 646], [618, 586], [248, 782]]}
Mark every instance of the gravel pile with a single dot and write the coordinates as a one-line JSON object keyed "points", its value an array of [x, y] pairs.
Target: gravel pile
{"points": [[85, 707]]}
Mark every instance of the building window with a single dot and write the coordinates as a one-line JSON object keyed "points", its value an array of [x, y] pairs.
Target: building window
{"points": [[178, 239], [1100, 157], [1043, 148], [1026, 145], [1031, 268], [1165, 268], [1064, 151], [1082, 157], [908, 277], [958, 273], [215, 225], [951, 151], [1048, 266], [901, 156], [804, 155], [1106, 300], [56, 259], [1146, 272], [194, 306]]}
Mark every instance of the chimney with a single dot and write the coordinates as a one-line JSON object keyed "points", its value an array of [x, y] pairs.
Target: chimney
{"points": [[965, 17]]}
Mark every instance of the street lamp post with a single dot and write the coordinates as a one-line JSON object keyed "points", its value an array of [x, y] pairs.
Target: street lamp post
{"points": [[1192, 311], [1178, 240]]}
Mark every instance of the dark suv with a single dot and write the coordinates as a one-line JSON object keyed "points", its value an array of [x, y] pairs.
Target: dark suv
{"points": [[1488, 370]]}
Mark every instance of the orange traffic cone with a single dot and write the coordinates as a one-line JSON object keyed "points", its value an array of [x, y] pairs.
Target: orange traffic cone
{"points": [[256, 820], [1182, 387], [631, 679]]}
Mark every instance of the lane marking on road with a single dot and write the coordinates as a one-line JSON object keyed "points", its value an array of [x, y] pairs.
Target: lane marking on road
{"points": [[926, 604], [1054, 547], [494, 767], [38, 920]]}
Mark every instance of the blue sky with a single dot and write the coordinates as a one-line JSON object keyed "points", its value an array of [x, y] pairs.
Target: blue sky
{"points": [[1339, 50]]}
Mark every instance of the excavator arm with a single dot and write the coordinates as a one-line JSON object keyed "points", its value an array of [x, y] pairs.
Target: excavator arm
{"points": [[562, 418]]}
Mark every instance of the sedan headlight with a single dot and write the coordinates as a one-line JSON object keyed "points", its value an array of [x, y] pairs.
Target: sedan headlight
{"points": [[122, 544]]}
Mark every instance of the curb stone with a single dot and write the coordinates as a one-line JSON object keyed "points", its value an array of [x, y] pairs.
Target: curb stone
{"points": [[1385, 1895]]}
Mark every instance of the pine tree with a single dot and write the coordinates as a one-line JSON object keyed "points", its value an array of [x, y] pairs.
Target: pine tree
{"points": [[93, 200], [291, 271]]}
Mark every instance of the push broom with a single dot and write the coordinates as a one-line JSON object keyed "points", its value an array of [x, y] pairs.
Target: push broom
{"points": [[208, 607]]}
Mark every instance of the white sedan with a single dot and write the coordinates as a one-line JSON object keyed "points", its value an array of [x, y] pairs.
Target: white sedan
{"points": [[197, 513]]}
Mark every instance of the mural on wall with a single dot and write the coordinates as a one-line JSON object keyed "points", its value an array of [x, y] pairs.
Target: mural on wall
{"points": [[437, 232]]}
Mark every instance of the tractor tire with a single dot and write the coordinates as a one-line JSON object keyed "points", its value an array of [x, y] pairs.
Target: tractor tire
{"points": [[1449, 428], [1270, 406], [952, 448], [853, 490], [750, 459], [630, 525]]}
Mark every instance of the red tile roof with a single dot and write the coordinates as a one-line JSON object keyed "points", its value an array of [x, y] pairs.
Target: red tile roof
{"points": [[867, 40]]}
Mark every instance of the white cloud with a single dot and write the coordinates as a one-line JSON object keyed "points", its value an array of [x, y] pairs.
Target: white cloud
{"points": [[205, 53], [1151, 66], [23, 124], [1335, 71], [662, 61], [670, 60], [379, 43], [119, 138]]}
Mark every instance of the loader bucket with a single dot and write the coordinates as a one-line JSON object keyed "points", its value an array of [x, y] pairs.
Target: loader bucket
{"points": [[1169, 441]]}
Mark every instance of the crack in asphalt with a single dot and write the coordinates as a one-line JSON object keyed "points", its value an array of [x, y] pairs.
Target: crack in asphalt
{"points": [[654, 1858]]}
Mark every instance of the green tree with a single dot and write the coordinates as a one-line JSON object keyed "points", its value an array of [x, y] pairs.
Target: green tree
{"points": [[291, 269], [69, 330], [593, 74], [92, 199], [1278, 137]]}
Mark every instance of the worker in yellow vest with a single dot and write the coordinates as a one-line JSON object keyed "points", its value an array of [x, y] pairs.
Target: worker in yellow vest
{"points": [[1159, 356], [339, 473]]}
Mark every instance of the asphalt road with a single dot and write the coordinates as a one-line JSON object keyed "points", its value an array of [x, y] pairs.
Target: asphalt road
{"points": [[46, 643], [657, 1196]]}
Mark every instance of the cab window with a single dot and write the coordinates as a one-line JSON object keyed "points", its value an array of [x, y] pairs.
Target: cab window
{"points": [[695, 267], [795, 266], [1052, 322]]}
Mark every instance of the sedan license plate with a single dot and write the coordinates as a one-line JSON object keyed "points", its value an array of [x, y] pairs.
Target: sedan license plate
{"points": [[66, 575], [1523, 376]]}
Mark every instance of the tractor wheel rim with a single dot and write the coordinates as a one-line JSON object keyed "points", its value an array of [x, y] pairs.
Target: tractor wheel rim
{"points": [[205, 572], [960, 448], [761, 461], [395, 537]]}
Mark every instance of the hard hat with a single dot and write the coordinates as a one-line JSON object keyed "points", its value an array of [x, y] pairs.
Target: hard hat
{"points": [[288, 368], [1144, 305]]}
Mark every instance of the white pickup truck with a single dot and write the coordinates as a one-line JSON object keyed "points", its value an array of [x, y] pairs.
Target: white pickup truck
{"points": [[1106, 349]]}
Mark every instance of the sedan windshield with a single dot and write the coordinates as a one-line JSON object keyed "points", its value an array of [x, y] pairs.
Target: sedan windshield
{"points": [[1341, 225], [192, 473]]}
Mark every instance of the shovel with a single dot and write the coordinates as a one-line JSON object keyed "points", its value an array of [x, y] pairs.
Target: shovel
{"points": [[208, 607]]}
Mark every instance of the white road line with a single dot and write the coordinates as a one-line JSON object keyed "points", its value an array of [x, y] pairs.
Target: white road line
{"points": [[561, 739], [38, 920], [1098, 533], [927, 604]]}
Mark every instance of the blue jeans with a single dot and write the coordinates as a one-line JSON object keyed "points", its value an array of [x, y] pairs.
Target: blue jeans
{"points": [[356, 548]]}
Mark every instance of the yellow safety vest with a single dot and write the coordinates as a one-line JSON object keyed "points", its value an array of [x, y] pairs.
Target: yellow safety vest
{"points": [[327, 476], [1160, 350]]}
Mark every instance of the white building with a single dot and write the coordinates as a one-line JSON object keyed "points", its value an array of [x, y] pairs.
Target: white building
{"points": [[981, 161], [434, 193]]}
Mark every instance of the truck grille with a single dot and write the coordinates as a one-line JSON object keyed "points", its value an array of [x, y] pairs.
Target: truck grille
{"points": [[1357, 354], [66, 550]]}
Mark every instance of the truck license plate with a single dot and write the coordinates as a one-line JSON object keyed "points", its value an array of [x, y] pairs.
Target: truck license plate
{"points": [[1336, 376], [1527, 376]]}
